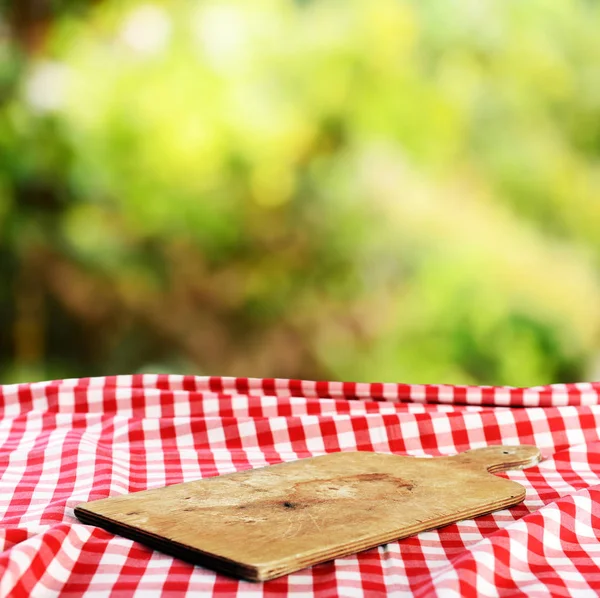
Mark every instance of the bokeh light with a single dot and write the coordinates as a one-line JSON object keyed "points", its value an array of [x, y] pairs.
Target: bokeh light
{"points": [[376, 191]]}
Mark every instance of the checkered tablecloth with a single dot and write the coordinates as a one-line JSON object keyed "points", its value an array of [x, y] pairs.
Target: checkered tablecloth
{"points": [[66, 442]]}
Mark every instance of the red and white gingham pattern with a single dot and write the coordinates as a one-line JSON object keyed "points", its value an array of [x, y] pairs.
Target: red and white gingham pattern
{"points": [[66, 442]]}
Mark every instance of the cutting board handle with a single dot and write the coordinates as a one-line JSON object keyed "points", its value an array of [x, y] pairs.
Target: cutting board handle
{"points": [[501, 458]]}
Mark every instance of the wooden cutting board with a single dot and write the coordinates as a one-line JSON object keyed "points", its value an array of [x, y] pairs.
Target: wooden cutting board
{"points": [[264, 523]]}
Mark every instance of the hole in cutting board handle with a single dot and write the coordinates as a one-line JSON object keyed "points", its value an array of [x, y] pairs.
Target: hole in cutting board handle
{"points": [[501, 458]]}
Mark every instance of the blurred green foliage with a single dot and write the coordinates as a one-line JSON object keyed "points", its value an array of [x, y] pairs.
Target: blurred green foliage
{"points": [[389, 190]]}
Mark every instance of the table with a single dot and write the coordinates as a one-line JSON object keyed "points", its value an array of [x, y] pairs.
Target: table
{"points": [[69, 441]]}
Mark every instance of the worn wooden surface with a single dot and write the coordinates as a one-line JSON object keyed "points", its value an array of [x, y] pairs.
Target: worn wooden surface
{"points": [[264, 523]]}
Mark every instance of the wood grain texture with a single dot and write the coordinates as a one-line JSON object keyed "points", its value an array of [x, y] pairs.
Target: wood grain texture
{"points": [[264, 523]]}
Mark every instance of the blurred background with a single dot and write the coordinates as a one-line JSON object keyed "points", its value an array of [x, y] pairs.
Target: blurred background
{"points": [[330, 189]]}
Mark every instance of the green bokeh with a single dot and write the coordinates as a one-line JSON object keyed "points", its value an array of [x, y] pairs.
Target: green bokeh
{"points": [[389, 191]]}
